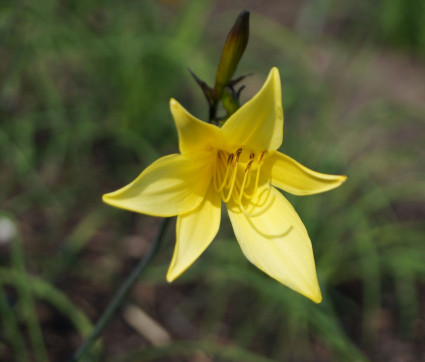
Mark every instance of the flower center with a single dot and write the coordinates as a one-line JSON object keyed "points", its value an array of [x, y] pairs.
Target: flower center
{"points": [[237, 174]]}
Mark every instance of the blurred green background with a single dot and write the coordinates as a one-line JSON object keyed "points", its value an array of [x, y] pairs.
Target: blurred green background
{"points": [[84, 91]]}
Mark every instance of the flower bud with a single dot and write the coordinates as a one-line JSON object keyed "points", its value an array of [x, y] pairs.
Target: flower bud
{"points": [[234, 47]]}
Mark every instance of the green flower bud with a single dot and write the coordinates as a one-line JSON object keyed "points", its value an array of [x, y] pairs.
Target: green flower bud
{"points": [[234, 47]]}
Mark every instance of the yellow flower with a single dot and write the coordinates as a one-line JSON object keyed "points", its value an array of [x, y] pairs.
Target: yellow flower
{"points": [[238, 164]]}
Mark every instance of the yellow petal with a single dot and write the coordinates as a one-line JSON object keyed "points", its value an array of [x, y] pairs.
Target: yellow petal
{"points": [[195, 231], [170, 186], [289, 175], [277, 242], [194, 135], [258, 124]]}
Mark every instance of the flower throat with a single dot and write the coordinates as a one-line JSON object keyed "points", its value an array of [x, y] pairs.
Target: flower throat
{"points": [[237, 174]]}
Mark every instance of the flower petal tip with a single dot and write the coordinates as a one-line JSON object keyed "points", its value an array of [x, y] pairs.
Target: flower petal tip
{"points": [[178, 111], [275, 74], [317, 299], [170, 277], [173, 103], [342, 179], [105, 198], [314, 294], [110, 200], [274, 70]]}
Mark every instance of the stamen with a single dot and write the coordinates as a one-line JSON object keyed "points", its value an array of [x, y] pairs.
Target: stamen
{"points": [[261, 156], [254, 190], [248, 166], [230, 158], [241, 192], [223, 183], [231, 185], [238, 153], [269, 201], [257, 176], [248, 180]]}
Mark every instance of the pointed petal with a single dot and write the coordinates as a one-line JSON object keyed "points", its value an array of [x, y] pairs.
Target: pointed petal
{"points": [[277, 242], [170, 186], [289, 175], [194, 135], [195, 231], [258, 124]]}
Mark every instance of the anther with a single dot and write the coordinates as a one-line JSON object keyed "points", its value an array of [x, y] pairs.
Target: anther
{"points": [[236, 159], [248, 165], [230, 158], [261, 156]]}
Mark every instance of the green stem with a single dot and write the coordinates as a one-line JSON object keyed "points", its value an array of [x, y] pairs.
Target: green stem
{"points": [[121, 294]]}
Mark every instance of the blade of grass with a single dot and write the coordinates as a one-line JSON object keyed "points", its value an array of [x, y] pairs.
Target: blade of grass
{"points": [[26, 303], [43, 290], [11, 328]]}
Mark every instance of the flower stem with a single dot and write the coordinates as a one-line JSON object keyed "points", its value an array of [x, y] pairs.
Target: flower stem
{"points": [[121, 294]]}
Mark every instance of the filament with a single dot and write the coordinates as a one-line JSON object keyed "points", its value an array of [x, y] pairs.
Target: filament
{"points": [[233, 181], [232, 184], [263, 208], [229, 161], [257, 176], [241, 192], [260, 157]]}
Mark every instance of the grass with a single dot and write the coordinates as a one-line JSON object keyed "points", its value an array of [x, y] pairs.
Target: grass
{"points": [[84, 108]]}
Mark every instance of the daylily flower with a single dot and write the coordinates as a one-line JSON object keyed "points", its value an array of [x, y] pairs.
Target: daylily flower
{"points": [[238, 164]]}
